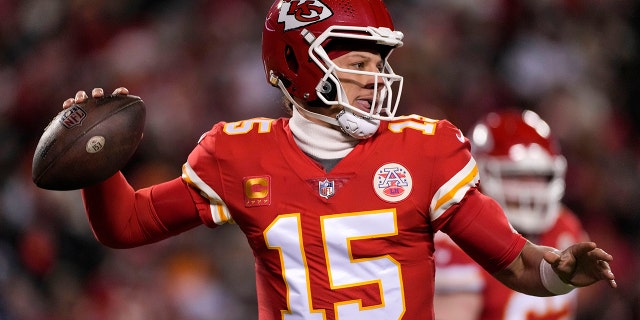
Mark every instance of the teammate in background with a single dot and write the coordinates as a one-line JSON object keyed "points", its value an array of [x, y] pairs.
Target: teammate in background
{"points": [[340, 202], [520, 166]]}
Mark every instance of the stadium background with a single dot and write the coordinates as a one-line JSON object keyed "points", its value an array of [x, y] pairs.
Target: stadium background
{"points": [[576, 62]]}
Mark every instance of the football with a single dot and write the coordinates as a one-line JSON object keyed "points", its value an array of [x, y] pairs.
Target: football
{"points": [[88, 142]]}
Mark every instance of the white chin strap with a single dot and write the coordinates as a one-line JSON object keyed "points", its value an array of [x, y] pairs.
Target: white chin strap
{"points": [[354, 125]]}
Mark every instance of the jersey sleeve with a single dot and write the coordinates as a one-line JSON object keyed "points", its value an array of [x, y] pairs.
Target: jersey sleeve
{"points": [[474, 221], [199, 171], [123, 218], [480, 227], [454, 172]]}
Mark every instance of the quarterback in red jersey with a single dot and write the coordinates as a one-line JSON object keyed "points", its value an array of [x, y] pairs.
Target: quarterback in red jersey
{"points": [[339, 202], [522, 168]]}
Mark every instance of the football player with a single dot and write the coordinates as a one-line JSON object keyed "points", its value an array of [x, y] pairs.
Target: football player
{"points": [[520, 166], [339, 202]]}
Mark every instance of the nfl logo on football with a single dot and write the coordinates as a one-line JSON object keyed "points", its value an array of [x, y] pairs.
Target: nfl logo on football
{"points": [[73, 116], [326, 188]]}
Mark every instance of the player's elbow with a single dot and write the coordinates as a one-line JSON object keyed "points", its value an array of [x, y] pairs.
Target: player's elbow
{"points": [[116, 241]]}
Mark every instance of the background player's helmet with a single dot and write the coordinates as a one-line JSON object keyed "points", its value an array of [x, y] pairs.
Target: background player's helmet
{"points": [[521, 167], [294, 50]]}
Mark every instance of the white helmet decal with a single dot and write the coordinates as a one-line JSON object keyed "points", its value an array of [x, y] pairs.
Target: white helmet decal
{"points": [[299, 13]]}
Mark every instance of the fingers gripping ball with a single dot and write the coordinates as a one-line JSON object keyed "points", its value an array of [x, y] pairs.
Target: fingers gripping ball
{"points": [[88, 142]]}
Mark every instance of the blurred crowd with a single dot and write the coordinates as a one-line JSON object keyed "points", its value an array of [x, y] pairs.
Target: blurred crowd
{"points": [[575, 62]]}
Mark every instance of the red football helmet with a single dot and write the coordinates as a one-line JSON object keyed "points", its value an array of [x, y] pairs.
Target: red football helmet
{"points": [[521, 167], [296, 33]]}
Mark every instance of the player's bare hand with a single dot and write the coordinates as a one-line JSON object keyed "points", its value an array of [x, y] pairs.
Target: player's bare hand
{"points": [[99, 92], [81, 96], [582, 264]]}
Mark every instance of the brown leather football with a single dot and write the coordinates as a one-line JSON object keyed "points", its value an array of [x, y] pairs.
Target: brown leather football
{"points": [[88, 142]]}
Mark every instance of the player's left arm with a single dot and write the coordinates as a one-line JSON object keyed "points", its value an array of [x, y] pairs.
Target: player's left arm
{"points": [[483, 231], [480, 227]]}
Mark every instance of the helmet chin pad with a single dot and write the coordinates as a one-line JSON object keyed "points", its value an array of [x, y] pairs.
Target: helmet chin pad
{"points": [[357, 126]]}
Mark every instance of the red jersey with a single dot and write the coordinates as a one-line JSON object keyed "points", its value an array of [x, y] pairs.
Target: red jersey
{"points": [[457, 273], [352, 243]]}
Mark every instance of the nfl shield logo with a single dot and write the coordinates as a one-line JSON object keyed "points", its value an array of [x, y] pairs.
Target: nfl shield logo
{"points": [[73, 116], [326, 188]]}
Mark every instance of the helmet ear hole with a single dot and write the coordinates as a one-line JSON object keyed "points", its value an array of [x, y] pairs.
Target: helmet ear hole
{"points": [[329, 89], [290, 57]]}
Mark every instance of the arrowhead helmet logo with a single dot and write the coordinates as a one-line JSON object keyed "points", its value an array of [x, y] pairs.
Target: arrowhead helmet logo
{"points": [[299, 13]]}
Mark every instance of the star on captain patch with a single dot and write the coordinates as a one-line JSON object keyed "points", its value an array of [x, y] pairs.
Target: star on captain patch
{"points": [[257, 191], [392, 182]]}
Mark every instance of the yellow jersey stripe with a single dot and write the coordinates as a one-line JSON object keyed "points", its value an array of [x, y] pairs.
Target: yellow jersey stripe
{"points": [[219, 210], [454, 190]]}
